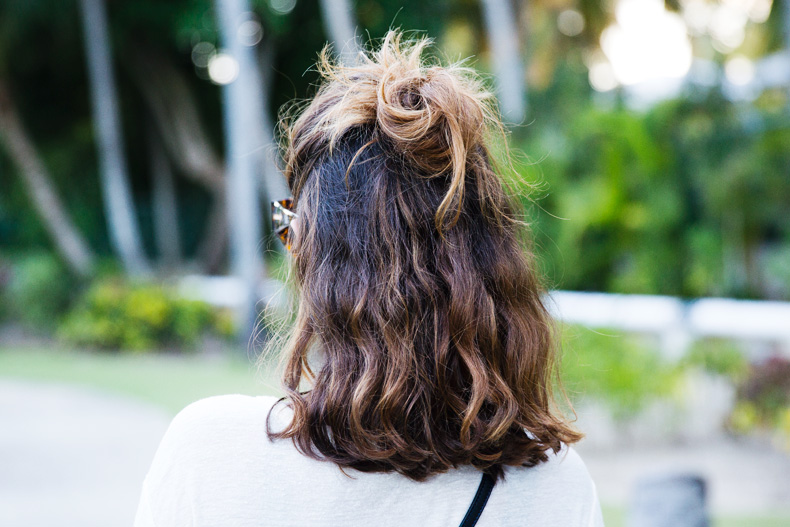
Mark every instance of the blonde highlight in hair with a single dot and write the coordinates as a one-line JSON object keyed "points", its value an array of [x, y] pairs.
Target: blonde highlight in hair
{"points": [[436, 348]]}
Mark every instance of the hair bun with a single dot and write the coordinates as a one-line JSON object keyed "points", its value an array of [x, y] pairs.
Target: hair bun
{"points": [[436, 116]]}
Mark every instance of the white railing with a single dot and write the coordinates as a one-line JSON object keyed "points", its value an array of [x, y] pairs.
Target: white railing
{"points": [[674, 321], [677, 322]]}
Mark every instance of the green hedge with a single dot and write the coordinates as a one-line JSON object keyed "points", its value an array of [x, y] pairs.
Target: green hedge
{"points": [[116, 314]]}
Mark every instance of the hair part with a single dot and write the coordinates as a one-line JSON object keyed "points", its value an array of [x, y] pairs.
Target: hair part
{"points": [[436, 348]]}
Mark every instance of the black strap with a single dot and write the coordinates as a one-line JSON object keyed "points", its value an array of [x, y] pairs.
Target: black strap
{"points": [[479, 501]]}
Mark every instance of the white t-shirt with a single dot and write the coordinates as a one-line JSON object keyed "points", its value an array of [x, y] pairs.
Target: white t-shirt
{"points": [[216, 467]]}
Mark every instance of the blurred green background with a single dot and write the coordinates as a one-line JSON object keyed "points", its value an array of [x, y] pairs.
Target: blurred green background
{"points": [[684, 194], [651, 140]]}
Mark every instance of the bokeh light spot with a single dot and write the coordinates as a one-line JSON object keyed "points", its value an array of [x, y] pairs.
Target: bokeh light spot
{"points": [[283, 7], [739, 70], [647, 43], [201, 54], [250, 32], [570, 22], [223, 68], [602, 76]]}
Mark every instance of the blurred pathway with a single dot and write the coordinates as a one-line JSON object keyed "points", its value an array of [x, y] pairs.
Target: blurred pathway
{"points": [[72, 456], [744, 478]]}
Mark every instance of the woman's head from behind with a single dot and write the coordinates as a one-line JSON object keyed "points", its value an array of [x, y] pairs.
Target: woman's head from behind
{"points": [[436, 350]]}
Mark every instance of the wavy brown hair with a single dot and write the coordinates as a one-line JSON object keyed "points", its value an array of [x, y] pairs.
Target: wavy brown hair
{"points": [[423, 308]]}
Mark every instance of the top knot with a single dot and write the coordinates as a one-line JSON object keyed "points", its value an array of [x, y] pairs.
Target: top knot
{"points": [[436, 116]]}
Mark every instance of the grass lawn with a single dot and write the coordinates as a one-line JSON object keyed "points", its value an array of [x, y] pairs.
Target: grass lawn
{"points": [[616, 516], [170, 381]]}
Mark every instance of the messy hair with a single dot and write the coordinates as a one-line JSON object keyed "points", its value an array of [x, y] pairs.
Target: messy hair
{"points": [[416, 296]]}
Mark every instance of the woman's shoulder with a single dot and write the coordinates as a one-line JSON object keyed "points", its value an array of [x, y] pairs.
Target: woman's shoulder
{"points": [[566, 462], [219, 420], [559, 491], [213, 452], [562, 468], [224, 408]]}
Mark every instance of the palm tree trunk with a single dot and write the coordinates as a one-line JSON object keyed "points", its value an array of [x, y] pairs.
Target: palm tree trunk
{"points": [[164, 203], [118, 202], [503, 40], [785, 7], [244, 140], [274, 182], [68, 240], [340, 27], [175, 114]]}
